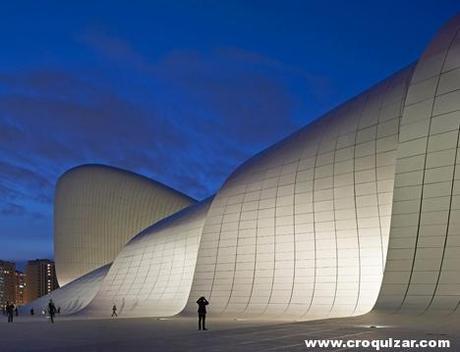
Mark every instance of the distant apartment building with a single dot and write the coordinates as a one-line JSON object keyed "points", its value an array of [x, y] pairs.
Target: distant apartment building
{"points": [[7, 282], [20, 287], [40, 279]]}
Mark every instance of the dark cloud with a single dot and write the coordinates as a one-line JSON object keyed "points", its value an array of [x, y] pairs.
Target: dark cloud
{"points": [[248, 106], [78, 108], [187, 119], [219, 111], [116, 49], [91, 124], [7, 192], [8, 132], [45, 198], [23, 191], [235, 91], [11, 209], [15, 173]]}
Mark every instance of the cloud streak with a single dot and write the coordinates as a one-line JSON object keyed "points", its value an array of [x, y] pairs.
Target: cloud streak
{"points": [[186, 118]]}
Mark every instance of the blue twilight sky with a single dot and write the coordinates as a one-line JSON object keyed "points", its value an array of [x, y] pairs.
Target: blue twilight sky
{"points": [[180, 91]]}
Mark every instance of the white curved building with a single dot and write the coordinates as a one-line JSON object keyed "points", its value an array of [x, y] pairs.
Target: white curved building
{"points": [[301, 230], [153, 273], [355, 212], [422, 271], [72, 297], [97, 209]]}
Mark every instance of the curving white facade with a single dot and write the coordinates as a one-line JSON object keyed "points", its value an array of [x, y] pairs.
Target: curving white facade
{"points": [[423, 266], [355, 212], [153, 273], [97, 209], [301, 230], [72, 297]]}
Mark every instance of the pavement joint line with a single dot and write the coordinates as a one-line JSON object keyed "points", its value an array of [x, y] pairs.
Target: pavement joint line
{"points": [[284, 336], [284, 347], [276, 331], [270, 339], [297, 329]]}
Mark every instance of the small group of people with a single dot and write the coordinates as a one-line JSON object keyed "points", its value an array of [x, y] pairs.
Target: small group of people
{"points": [[202, 303], [50, 310], [10, 310]]}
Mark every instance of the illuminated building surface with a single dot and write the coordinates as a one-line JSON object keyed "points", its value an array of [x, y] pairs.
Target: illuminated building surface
{"points": [[358, 211]]}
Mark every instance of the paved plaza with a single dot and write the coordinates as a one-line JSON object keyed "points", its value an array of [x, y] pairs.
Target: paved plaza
{"points": [[180, 334]]}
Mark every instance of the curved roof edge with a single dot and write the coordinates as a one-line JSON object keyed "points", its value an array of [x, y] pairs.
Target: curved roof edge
{"points": [[167, 220], [409, 67], [128, 172]]}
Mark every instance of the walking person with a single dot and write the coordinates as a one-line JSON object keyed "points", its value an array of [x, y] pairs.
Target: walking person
{"points": [[51, 310], [202, 303], [114, 311]]}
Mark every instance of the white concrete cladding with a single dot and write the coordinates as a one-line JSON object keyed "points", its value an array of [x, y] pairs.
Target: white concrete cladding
{"points": [[97, 209], [307, 228], [153, 273], [300, 231], [72, 297], [423, 267]]}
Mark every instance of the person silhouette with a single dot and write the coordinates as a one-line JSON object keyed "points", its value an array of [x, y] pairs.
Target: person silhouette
{"points": [[114, 311], [32, 312], [9, 311], [202, 303], [51, 310]]}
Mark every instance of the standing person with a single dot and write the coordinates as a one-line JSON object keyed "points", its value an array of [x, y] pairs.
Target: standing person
{"points": [[9, 311], [16, 311], [51, 310], [114, 311], [32, 311], [202, 303]]}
